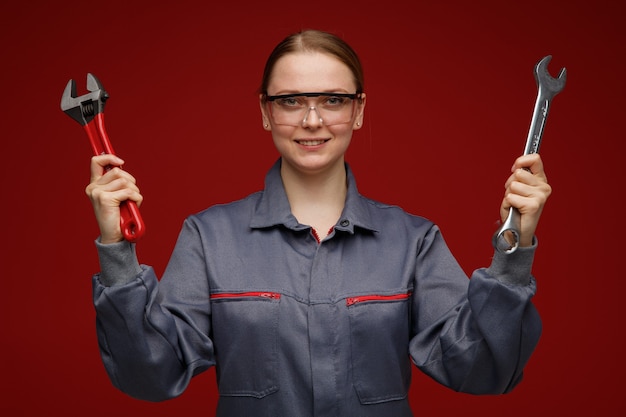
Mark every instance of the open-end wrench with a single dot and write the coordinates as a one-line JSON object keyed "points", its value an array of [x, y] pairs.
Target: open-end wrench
{"points": [[506, 239], [88, 110]]}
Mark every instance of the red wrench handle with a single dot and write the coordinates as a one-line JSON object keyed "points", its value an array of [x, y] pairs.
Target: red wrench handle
{"points": [[131, 222]]}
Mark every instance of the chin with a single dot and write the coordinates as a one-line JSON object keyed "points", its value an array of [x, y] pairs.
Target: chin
{"points": [[313, 165]]}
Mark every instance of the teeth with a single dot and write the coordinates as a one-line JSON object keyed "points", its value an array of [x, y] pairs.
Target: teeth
{"points": [[311, 142]]}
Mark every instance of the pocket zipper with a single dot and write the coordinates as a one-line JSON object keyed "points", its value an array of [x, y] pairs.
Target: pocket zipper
{"points": [[260, 294], [364, 298]]}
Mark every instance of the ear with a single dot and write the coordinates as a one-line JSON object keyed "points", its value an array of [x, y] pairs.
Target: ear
{"points": [[358, 120], [264, 113]]}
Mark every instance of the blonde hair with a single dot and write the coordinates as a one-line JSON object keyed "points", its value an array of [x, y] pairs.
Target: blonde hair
{"points": [[314, 41]]}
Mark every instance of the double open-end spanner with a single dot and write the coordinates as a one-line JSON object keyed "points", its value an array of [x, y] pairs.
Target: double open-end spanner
{"points": [[88, 110], [506, 238]]}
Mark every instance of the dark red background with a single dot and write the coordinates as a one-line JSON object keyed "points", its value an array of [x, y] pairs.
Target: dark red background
{"points": [[450, 95]]}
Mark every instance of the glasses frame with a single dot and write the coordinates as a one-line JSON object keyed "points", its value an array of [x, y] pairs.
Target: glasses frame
{"points": [[348, 95], [352, 96]]}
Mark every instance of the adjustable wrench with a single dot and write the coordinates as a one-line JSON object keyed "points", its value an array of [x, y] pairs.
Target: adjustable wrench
{"points": [[88, 110], [548, 87]]}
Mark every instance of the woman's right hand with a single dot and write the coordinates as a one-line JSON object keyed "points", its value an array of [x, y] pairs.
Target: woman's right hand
{"points": [[107, 190]]}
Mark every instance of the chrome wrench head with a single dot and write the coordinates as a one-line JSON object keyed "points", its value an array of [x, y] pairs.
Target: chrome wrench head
{"points": [[83, 108], [549, 86]]}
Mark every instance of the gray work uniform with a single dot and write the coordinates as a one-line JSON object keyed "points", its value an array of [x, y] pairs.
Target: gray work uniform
{"points": [[297, 327]]}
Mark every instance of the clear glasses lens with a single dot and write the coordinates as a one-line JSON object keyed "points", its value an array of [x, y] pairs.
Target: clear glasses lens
{"points": [[296, 110]]}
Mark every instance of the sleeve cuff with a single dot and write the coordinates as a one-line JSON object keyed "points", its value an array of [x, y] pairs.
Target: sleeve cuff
{"points": [[513, 268], [118, 262]]}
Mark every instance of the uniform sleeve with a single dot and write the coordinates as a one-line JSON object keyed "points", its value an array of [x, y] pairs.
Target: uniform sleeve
{"points": [[475, 335], [153, 336]]}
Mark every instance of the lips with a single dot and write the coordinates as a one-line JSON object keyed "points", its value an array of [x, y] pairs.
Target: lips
{"points": [[312, 142]]}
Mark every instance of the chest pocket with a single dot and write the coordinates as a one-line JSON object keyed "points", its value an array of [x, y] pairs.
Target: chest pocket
{"points": [[245, 336], [379, 343]]}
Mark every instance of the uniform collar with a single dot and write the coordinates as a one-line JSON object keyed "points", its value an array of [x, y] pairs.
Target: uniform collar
{"points": [[273, 207]]}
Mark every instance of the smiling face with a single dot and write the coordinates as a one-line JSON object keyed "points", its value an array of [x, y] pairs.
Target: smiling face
{"points": [[311, 146]]}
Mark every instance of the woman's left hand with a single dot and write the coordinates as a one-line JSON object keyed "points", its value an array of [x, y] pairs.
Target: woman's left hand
{"points": [[527, 189]]}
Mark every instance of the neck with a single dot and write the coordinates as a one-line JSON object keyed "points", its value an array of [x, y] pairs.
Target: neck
{"points": [[316, 199]]}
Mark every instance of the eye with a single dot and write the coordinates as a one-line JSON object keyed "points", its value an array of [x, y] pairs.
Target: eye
{"points": [[334, 101], [294, 102]]}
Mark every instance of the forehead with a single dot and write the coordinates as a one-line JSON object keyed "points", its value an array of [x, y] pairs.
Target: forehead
{"points": [[310, 72]]}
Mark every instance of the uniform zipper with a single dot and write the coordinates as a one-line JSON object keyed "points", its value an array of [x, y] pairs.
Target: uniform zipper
{"points": [[364, 298], [260, 294]]}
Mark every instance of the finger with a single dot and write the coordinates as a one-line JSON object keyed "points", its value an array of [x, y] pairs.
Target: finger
{"points": [[115, 198], [119, 183], [115, 174], [540, 191], [108, 200], [517, 190], [531, 162], [115, 181], [524, 176], [100, 163]]}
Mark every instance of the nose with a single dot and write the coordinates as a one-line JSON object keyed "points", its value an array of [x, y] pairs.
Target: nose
{"points": [[311, 121]]}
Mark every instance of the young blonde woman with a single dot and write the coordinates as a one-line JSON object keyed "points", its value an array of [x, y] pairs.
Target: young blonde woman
{"points": [[309, 298]]}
